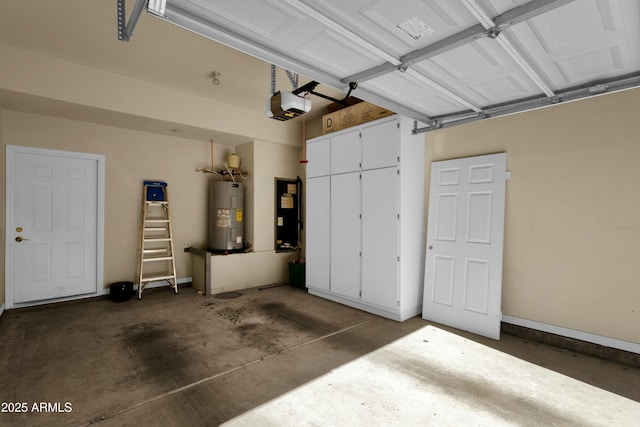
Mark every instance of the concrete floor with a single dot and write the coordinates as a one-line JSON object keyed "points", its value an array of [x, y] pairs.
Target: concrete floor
{"points": [[278, 357]]}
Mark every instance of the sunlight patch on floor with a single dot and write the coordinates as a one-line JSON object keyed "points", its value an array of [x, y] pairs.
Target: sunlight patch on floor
{"points": [[434, 377]]}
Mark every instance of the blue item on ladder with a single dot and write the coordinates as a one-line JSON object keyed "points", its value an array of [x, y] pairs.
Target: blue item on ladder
{"points": [[155, 190]]}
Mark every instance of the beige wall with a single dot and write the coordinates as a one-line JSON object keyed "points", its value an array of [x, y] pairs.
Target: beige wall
{"points": [[276, 161], [266, 161], [104, 106], [131, 102], [131, 157], [572, 228]]}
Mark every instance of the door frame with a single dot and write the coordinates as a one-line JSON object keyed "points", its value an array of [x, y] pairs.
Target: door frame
{"points": [[11, 150]]}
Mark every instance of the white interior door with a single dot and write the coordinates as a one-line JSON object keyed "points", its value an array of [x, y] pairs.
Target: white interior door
{"points": [[465, 229], [54, 225]]}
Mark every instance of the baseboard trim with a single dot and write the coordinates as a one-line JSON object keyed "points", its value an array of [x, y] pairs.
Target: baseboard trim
{"points": [[597, 345], [370, 308], [158, 284], [163, 283]]}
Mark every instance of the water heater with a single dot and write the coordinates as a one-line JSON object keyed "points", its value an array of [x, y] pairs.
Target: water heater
{"points": [[226, 204]]}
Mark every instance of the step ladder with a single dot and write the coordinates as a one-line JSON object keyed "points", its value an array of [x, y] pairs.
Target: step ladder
{"points": [[157, 262]]}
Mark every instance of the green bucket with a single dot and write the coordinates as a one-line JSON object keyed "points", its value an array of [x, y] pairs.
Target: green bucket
{"points": [[297, 274]]}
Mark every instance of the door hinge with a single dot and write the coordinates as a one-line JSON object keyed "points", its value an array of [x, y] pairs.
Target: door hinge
{"points": [[398, 216], [398, 259], [398, 171], [360, 216], [398, 303], [398, 159], [360, 254], [398, 125], [360, 294]]}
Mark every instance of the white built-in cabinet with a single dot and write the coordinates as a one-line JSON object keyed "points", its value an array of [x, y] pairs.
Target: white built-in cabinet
{"points": [[365, 221]]}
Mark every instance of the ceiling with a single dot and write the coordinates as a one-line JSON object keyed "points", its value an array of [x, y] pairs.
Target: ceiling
{"points": [[86, 32], [466, 59], [442, 62]]}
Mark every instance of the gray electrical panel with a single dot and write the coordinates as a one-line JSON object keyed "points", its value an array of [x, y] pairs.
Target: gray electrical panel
{"points": [[226, 204]]}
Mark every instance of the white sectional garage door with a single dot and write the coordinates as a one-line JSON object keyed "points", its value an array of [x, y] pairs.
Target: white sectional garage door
{"points": [[442, 62]]}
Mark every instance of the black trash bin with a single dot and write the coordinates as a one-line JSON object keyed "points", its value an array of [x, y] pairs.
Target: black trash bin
{"points": [[120, 291]]}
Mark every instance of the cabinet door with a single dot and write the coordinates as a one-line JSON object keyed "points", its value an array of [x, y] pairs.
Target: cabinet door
{"points": [[380, 145], [318, 155], [345, 234], [318, 229], [380, 225], [346, 152]]}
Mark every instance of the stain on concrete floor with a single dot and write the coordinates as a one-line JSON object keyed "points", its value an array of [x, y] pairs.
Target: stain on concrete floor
{"points": [[156, 351]]}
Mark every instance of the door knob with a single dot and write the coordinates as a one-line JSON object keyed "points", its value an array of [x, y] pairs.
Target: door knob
{"points": [[20, 239]]}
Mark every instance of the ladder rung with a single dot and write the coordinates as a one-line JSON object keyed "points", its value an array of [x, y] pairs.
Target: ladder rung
{"points": [[156, 220], [157, 239], [156, 202], [155, 251], [153, 278], [164, 258], [155, 228]]}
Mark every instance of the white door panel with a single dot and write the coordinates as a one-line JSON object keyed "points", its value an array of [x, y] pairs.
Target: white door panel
{"points": [[380, 269], [345, 234], [346, 152], [463, 278], [318, 265], [379, 145], [319, 156], [53, 206]]}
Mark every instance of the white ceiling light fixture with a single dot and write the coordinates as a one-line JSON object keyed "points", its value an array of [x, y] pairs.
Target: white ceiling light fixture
{"points": [[214, 77]]}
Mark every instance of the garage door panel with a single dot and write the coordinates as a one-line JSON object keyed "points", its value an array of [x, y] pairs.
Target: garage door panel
{"points": [[603, 46]]}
